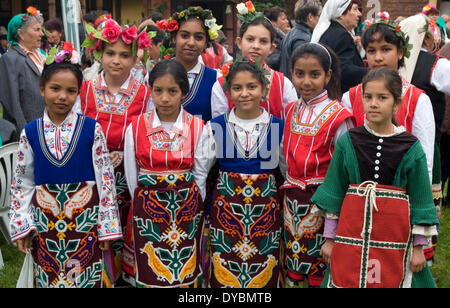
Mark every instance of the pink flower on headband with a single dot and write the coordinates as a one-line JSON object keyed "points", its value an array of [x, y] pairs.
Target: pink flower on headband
{"points": [[143, 40], [112, 31], [129, 35], [384, 15]]}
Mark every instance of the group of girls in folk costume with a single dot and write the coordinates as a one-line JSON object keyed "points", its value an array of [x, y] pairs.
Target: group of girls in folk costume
{"points": [[66, 215], [256, 40], [376, 199], [152, 151]]}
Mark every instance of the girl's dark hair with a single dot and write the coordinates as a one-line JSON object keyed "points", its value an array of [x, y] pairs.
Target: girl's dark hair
{"points": [[381, 31], [263, 21], [160, 35], [319, 51], [54, 68], [245, 66], [392, 81], [173, 68]]}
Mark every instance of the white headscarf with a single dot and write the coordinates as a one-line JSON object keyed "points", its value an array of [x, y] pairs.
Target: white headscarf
{"points": [[414, 27], [332, 10]]}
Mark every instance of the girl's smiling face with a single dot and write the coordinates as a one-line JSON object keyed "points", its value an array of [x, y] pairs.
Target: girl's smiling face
{"points": [[256, 43], [309, 77], [246, 92], [383, 54], [60, 93], [190, 42]]}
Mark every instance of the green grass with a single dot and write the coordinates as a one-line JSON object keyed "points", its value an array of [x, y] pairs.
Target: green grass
{"points": [[441, 268]]}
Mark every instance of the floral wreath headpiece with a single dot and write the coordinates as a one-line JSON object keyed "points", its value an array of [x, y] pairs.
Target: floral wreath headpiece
{"points": [[384, 18], [172, 24], [65, 54], [111, 32], [247, 12], [228, 67]]}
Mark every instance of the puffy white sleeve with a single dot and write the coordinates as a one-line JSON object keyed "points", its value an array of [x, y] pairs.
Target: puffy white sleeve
{"points": [[289, 93], [439, 77], [345, 101], [205, 157], [130, 165], [424, 129], [219, 101], [22, 220], [108, 217]]}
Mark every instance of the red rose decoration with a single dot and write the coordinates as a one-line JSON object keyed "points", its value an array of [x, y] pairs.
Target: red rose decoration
{"points": [[250, 6], [172, 26], [98, 45], [162, 25], [112, 31], [398, 28], [129, 35], [143, 40]]}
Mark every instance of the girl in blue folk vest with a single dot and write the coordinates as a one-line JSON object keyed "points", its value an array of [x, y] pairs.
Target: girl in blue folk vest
{"points": [[245, 216], [192, 31], [63, 206]]}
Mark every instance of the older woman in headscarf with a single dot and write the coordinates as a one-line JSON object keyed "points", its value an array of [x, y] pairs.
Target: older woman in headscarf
{"points": [[335, 29], [21, 69]]}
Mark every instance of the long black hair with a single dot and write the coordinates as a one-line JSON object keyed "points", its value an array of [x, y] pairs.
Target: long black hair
{"points": [[327, 59]]}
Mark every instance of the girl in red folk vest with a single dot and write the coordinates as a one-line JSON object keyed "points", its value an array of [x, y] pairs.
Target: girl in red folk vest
{"points": [[377, 201], [386, 46], [114, 98], [313, 125], [256, 40], [162, 150]]}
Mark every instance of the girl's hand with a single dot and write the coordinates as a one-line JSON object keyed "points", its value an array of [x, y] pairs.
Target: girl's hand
{"points": [[24, 244], [418, 261], [104, 246], [326, 250]]}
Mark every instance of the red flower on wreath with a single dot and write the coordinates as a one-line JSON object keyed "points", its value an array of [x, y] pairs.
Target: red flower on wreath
{"points": [[112, 31], [398, 28], [172, 26], [129, 35], [226, 69], [162, 24]]}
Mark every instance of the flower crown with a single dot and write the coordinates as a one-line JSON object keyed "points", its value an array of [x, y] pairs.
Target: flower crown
{"points": [[66, 54], [172, 24], [111, 33], [384, 18], [247, 12], [228, 67]]}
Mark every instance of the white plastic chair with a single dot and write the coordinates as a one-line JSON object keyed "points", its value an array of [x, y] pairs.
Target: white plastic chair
{"points": [[8, 160]]}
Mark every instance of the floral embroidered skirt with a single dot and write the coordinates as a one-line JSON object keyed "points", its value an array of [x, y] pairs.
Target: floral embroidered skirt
{"points": [[303, 236], [168, 218], [66, 251], [245, 232]]}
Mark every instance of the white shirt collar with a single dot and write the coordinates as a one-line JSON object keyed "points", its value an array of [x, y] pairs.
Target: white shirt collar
{"points": [[124, 88], [178, 125], [196, 69], [264, 118], [70, 118]]}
